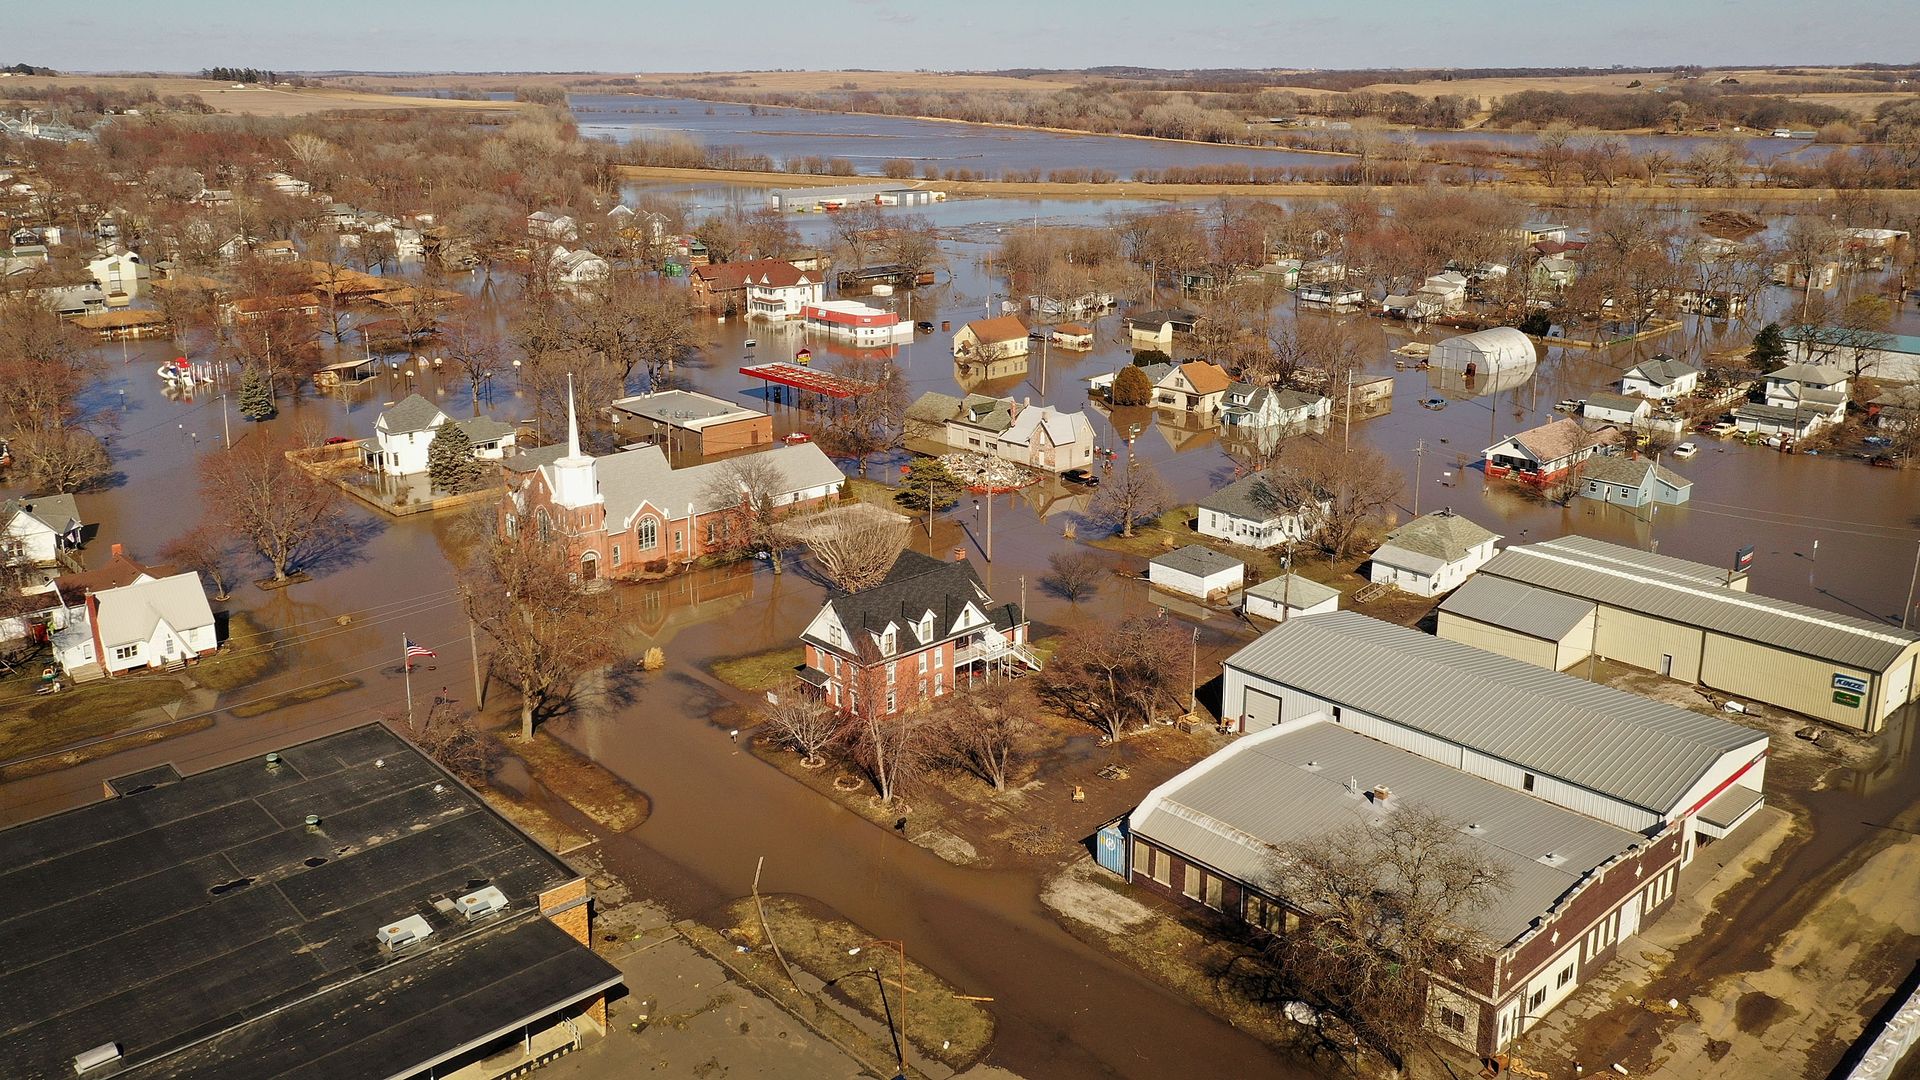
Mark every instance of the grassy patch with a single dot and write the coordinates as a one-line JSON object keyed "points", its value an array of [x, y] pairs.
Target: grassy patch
{"points": [[588, 787], [105, 748], [555, 835], [759, 671], [33, 725], [242, 660], [817, 941], [875, 492], [1168, 531], [294, 697]]}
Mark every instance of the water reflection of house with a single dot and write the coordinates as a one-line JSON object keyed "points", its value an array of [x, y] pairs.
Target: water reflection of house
{"points": [[928, 627], [1073, 336], [1457, 384], [659, 609], [979, 376]]}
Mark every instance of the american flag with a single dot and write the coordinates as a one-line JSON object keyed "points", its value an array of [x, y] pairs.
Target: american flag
{"points": [[418, 650]]}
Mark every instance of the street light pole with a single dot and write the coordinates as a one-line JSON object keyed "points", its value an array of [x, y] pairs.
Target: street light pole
{"points": [[900, 1037]]}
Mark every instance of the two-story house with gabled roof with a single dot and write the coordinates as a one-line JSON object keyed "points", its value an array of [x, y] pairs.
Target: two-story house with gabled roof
{"points": [[925, 630]]}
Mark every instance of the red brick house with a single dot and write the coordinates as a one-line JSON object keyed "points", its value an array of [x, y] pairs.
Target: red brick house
{"points": [[929, 627], [632, 513]]}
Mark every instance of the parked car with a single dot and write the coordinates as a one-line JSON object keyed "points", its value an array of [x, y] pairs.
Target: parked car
{"points": [[1083, 477], [336, 440], [1723, 429], [1433, 403], [1685, 450], [923, 326]]}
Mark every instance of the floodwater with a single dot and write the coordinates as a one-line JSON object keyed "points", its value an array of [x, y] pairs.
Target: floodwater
{"points": [[1064, 1010], [868, 141]]}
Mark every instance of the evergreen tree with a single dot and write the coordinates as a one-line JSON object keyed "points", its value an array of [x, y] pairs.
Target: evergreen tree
{"points": [[256, 395], [1769, 350], [928, 480], [1132, 387], [451, 466]]}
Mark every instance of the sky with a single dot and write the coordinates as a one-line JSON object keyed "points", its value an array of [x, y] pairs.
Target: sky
{"points": [[969, 35]]}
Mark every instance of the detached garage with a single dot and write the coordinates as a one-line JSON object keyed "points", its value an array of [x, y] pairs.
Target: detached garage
{"points": [[1197, 570], [1519, 621], [1290, 596]]}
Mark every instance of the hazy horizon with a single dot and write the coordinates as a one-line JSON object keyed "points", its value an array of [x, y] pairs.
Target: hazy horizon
{"points": [[495, 36]]}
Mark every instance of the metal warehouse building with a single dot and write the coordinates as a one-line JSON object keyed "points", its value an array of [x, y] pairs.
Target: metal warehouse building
{"points": [[1683, 620], [1619, 757]]}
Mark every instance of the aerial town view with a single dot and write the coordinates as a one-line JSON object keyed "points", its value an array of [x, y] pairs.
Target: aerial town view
{"points": [[1007, 542]]}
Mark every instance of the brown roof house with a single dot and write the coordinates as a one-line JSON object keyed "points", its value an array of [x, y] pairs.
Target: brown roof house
{"points": [[985, 340], [1196, 386]]}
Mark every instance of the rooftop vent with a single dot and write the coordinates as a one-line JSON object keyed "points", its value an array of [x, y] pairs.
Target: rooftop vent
{"points": [[481, 903], [1552, 858], [273, 760], [399, 935], [103, 1054], [1311, 766], [313, 821]]}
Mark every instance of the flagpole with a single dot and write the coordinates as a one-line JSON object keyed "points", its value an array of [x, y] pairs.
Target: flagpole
{"points": [[406, 666]]}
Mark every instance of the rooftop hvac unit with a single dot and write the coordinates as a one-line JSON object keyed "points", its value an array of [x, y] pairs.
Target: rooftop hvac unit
{"points": [[100, 1055], [481, 902], [399, 935]]}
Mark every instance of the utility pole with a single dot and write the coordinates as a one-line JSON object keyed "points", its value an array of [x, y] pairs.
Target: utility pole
{"points": [[479, 682], [1347, 433], [1419, 467], [225, 427], [1286, 587], [1193, 676], [989, 523], [1915, 580]]}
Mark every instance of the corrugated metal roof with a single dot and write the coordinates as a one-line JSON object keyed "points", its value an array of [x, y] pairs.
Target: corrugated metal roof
{"points": [[1625, 578], [1282, 786], [1630, 748], [1520, 608]]}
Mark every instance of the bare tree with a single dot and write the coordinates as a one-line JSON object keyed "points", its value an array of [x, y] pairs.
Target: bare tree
{"points": [[1381, 906], [1074, 575], [60, 459], [857, 226], [1117, 676], [914, 246], [450, 736], [206, 549], [747, 495], [889, 742], [869, 423], [274, 505], [984, 726], [1134, 494], [1355, 486], [473, 346], [523, 591], [854, 546], [803, 720]]}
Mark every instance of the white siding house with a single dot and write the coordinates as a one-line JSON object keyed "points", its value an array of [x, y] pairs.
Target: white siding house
{"points": [[403, 434], [152, 623], [1661, 378], [1431, 554], [1251, 512]]}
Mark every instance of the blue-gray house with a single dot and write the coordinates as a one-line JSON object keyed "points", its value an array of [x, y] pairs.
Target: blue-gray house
{"points": [[1631, 482]]}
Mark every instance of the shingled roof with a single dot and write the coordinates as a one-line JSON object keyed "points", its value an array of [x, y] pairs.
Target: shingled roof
{"points": [[916, 585]]}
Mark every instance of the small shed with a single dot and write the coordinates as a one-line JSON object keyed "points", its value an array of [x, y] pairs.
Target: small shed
{"points": [[1073, 336], [1289, 596], [1617, 408], [1196, 570], [1484, 353]]}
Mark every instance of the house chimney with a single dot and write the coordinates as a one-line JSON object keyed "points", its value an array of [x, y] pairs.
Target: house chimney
{"points": [[119, 552], [959, 554]]}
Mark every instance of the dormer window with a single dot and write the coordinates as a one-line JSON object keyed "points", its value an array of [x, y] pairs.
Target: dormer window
{"points": [[926, 627], [887, 642]]}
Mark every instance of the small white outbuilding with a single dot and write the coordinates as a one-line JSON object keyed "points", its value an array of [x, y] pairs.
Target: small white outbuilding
{"points": [[1198, 571]]}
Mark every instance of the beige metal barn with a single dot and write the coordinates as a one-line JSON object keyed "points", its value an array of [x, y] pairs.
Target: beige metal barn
{"points": [[1684, 620]]}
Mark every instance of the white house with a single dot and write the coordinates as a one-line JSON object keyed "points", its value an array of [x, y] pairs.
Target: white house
{"points": [[151, 623], [1197, 571], [1662, 378], [1253, 512], [1445, 292], [1290, 596], [578, 267], [1617, 409], [1196, 386], [1247, 406], [403, 433], [1808, 387], [548, 225], [39, 531], [1431, 554], [1038, 436], [779, 290], [120, 274]]}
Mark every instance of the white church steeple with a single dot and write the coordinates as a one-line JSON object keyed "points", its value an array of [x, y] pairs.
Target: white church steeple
{"points": [[575, 483]]}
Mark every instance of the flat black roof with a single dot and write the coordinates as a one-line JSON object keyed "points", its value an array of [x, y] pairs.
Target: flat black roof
{"points": [[205, 927]]}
